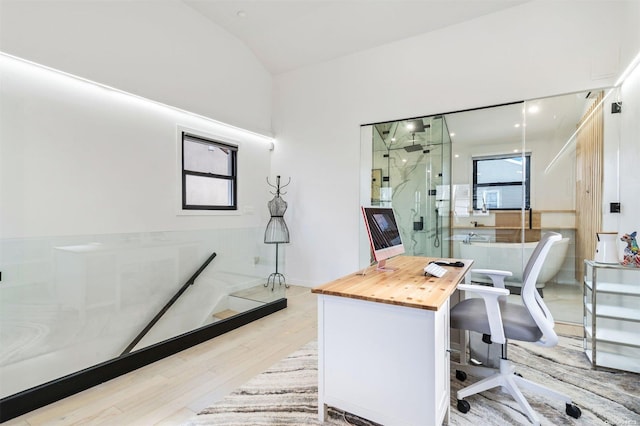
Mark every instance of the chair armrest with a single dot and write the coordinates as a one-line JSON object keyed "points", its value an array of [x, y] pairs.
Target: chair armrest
{"points": [[483, 289], [490, 295], [497, 276]]}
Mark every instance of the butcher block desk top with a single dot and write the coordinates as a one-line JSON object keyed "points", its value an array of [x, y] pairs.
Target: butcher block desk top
{"points": [[406, 286]]}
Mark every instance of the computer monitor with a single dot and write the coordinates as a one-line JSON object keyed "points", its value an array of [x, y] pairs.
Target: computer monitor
{"points": [[384, 235]]}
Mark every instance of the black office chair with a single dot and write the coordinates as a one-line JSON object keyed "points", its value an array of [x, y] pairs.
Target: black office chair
{"points": [[499, 320]]}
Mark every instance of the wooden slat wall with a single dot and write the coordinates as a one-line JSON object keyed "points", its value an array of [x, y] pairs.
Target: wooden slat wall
{"points": [[514, 218], [589, 164], [508, 219]]}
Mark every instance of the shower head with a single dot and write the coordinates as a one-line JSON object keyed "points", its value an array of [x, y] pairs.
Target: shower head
{"points": [[413, 148]]}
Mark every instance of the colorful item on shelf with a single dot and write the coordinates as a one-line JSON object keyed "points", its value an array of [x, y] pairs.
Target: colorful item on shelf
{"points": [[631, 251]]}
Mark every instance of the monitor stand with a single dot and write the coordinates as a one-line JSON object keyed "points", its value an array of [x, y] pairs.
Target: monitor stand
{"points": [[382, 266]]}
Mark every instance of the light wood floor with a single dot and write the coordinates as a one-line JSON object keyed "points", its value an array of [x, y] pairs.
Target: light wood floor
{"points": [[174, 389]]}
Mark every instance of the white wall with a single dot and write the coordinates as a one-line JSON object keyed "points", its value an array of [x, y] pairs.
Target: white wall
{"points": [[81, 159], [534, 50], [86, 168], [162, 50], [622, 159], [630, 154]]}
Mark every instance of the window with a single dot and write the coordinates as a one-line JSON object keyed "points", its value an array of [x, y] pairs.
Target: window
{"points": [[498, 182], [209, 174]]}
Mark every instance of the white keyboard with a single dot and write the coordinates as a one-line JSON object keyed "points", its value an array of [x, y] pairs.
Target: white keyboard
{"points": [[435, 270]]}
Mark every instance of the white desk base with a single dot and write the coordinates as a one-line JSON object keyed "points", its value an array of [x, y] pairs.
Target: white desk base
{"points": [[382, 362]]}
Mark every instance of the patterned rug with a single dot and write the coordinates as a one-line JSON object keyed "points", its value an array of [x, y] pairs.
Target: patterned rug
{"points": [[286, 394]]}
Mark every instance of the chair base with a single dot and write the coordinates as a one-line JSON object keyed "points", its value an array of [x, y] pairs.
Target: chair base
{"points": [[511, 383]]}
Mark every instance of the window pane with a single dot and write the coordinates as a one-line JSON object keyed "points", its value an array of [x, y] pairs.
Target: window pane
{"points": [[205, 191], [499, 170], [207, 158], [500, 197]]}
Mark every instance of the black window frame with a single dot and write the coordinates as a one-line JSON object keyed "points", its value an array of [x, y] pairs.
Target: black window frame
{"points": [[527, 180], [233, 176]]}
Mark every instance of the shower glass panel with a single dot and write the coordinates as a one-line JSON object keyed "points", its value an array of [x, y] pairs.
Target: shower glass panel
{"points": [[411, 169], [554, 142], [490, 190]]}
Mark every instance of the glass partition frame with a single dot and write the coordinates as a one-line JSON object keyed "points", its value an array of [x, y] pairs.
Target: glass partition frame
{"points": [[543, 130]]}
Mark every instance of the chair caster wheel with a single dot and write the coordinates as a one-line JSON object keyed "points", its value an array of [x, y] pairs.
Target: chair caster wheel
{"points": [[573, 411], [464, 407], [461, 375]]}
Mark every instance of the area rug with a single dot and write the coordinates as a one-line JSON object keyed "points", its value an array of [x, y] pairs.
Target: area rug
{"points": [[286, 394]]}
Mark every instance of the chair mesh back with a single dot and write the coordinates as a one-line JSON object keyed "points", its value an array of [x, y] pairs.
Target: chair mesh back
{"points": [[535, 255], [532, 271]]}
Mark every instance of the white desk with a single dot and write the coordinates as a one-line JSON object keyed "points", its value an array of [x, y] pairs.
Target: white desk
{"points": [[383, 342]]}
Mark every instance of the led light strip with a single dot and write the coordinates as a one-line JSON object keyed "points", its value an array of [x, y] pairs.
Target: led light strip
{"points": [[267, 138]]}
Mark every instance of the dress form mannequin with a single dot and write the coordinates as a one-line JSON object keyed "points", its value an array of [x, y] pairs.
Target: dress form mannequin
{"points": [[276, 231]]}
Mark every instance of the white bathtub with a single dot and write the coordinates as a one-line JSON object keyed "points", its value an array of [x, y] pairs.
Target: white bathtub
{"points": [[508, 257]]}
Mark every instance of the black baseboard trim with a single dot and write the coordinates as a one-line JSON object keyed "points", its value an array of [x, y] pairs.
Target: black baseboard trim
{"points": [[28, 400]]}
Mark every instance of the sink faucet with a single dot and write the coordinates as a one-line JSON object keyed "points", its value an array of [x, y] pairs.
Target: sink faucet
{"points": [[467, 239]]}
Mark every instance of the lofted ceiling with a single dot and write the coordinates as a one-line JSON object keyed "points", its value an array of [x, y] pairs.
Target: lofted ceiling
{"points": [[290, 34]]}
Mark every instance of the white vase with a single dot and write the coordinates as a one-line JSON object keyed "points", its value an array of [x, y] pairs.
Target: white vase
{"points": [[607, 247]]}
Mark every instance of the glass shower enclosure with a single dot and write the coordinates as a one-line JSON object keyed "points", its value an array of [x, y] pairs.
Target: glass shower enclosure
{"points": [[487, 183], [411, 172]]}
